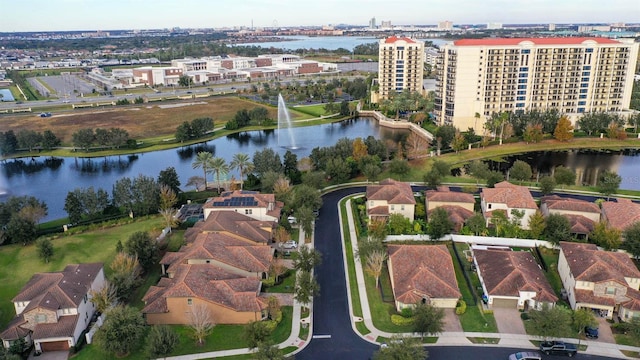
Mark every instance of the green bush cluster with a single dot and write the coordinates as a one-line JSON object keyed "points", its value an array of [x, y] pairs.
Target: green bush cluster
{"points": [[400, 320], [524, 316], [461, 307], [269, 282]]}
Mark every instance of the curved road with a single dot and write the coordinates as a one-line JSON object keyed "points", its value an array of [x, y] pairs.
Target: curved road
{"points": [[335, 338]]}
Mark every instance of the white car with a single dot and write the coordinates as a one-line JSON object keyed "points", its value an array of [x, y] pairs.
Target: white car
{"points": [[525, 355], [291, 244], [292, 220]]}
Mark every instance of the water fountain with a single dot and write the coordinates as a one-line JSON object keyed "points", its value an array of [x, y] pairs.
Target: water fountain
{"points": [[284, 121]]}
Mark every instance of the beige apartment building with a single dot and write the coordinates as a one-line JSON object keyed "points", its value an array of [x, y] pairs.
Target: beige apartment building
{"points": [[400, 66], [574, 75]]}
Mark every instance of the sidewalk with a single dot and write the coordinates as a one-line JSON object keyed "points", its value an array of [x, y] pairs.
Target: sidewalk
{"points": [[459, 338]]}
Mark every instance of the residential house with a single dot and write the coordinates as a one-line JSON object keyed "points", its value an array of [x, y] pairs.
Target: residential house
{"points": [[231, 298], [512, 279], [53, 309], [458, 205], [422, 274], [390, 197], [620, 214], [600, 280], [236, 225], [582, 215], [263, 207], [507, 197]]}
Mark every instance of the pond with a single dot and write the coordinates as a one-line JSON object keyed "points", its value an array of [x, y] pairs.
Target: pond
{"points": [[50, 179]]}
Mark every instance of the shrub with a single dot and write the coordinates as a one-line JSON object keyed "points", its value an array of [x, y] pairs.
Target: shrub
{"points": [[269, 282], [524, 316], [401, 320], [278, 317], [620, 328], [406, 312], [487, 311], [461, 307], [270, 325]]}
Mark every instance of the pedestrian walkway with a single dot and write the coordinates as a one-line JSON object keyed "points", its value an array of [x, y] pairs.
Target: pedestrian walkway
{"points": [[462, 338]]}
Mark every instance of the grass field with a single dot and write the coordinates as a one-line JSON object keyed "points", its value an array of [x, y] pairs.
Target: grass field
{"points": [[18, 263]]}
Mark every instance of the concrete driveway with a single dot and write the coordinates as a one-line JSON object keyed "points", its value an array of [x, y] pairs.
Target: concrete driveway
{"points": [[451, 321], [604, 332], [50, 355], [508, 321]]}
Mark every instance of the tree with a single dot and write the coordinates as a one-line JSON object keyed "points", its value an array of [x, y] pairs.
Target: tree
{"points": [[21, 230], [306, 288], [582, 318], [445, 133], [267, 351], [8, 142], [606, 237], [28, 139], [305, 195], [196, 182], [632, 239], [161, 341], [432, 178], [459, 142], [537, 224], [360, 149], [307, 259], [371, 172], [49, 140], [477, 224], [201, 126], [169, 177], [399, 167], [203, 160], [547, 185], [122, 194], [608, 183], [125, 270], [45, 249], [104, 297], [242, 163], [145, 195], [168, 197], [441, 167], [479, 170], [494, 177], [83, 138], [277, 268], [401, 348], [200, 322], [255, 333], [533, 133], [290, 167], [399, 224], [520, 171], [374, 263], [121, 332], [428, 319], [73, 206], [550, 322], [564, 129], [185, 81], [416, 146], [338, 170], [219, 167], [439, 224], [140, 244], [564, 176], [184, 132], [305, 218], [266, 160], [557, 229]]}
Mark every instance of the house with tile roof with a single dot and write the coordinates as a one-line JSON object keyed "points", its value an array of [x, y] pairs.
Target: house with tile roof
{"points": [[512, 279], [263, 207], [620, 214], [507, 197], [459, 205], [422, 274], [582, 215], [53, 309], [390, 197], [236, 225], [231, 298], [605, 281]]}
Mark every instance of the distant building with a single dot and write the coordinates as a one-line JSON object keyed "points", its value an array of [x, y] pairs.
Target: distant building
{"points": [[590, 28], [372, 23], [431, 56], [445, 25], [400, 66], [574, 75], [165, 76], [494, 26], [385, 24], [552, 27]]}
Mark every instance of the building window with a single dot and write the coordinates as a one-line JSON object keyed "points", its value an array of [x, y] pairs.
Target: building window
{"points": [[402, 207], [392, 207], [582, 103], [588, 50], [524, 51], [248, 211], [583, 91], [489, 206], [41, 318], [189, 302], [587, 67], [609, 290], [580, 110], [520, 105]]}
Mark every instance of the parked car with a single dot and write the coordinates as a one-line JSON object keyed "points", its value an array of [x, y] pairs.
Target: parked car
{"points": [[591, 332], [525, 355], [291, 244], [558, 348], [45, 114], [292, 220]]}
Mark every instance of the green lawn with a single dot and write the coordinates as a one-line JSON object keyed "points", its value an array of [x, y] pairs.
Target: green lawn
{"points": [[550, 257], [348, 247], [18, 263], [287, 284], [313, 110]]}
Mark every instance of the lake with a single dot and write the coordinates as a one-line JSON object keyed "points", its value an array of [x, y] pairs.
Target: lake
{"points": [[50, 179], [323, 42]]}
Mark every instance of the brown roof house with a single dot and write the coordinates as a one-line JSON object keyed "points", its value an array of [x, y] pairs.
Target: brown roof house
{"points": [[600, 280], [263, 207], [235, 225], [458, 205], [422, 274], [620, 214], [230, 298], [507, 197], [512, 279], [53, 309], [582, 215], [390, 197]]}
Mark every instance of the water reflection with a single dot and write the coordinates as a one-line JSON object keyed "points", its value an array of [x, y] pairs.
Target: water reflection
{"points": [[188, 152], [16, 167], [106, 165]]}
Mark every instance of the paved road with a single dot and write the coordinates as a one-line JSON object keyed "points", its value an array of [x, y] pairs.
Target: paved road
{"points": [[331, 319]]}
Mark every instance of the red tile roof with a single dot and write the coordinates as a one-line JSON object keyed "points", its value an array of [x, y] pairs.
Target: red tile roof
{"points": [[443, 194], [457, 214], [634, 300], [63, 328], [536, 41], [17, 328], [207, 282], [514, 196], [422, 271], [392, 39], [394, 192], [621, 214], [232, 199], [235, 224], [555, 202], [580, 224], [588, 297], [506, 273], [587, 263]]}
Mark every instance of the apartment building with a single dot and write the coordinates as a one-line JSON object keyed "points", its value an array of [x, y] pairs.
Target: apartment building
{"points": [[574, 75], [400, 66], [165, 76]]}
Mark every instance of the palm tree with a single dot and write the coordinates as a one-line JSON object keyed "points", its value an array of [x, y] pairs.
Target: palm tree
{"points": [[203, 159], [241, 162], [218, 165]]}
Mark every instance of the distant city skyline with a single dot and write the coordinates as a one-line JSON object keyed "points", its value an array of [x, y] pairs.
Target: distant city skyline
{"points": [[66, 15]]}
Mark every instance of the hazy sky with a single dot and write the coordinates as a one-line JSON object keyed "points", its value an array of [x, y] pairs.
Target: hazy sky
{"points": [[41, 15]]}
